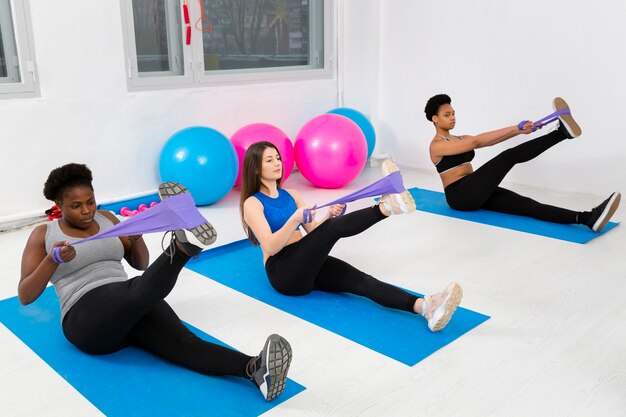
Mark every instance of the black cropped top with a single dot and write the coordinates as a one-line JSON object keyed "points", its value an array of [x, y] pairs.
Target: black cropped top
{"points": [[449, 162]]}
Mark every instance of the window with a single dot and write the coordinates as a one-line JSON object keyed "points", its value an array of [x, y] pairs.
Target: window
{"points": [[199, 42], [154, 44], [17, 67]]}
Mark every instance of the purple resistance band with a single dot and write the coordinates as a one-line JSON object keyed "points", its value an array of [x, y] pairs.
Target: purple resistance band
{"points": [[177, 212], [391, 184], [548, 119]]}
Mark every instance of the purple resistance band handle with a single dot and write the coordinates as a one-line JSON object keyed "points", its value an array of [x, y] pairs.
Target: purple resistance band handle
{"points": [[548, 119], [56, 255], [520, 125], [307, 217]]}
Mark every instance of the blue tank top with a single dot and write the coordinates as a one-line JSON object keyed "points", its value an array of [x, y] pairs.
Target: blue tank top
{"points": [[277, 210]]}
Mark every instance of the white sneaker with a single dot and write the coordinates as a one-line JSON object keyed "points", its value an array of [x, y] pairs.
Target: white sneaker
{"points": [[440, 307], [394, 204], [401, 203]]}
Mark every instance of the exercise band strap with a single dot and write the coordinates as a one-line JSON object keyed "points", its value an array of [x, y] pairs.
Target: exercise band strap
{"points": [[548, 119], [390, 184], [177, 212]]}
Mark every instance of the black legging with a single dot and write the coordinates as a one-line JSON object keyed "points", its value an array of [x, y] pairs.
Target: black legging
{"points": [[481, 188], [133, 312], [304, 266]]}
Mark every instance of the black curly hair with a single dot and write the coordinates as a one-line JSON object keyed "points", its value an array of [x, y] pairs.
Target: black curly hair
{"points": [[433, 104], [65, 177]]}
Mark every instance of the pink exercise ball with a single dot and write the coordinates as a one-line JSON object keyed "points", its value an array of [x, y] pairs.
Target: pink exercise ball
{"points": [[258, 132], [331, 150]]}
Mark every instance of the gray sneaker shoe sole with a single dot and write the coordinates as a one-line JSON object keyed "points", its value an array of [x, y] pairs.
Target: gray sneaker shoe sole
{"points": [[275, 360], [200, 236], [170, 189], [205, 235]]}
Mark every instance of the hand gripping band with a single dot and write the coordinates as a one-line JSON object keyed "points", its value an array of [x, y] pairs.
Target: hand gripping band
{"points": [[546, 120], [391, 184]]}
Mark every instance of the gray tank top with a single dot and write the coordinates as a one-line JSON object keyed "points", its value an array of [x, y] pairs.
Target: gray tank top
{"points": [[97, 262]]}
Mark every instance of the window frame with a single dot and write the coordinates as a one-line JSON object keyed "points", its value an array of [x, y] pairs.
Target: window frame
{"points": [[28, 86], [137, 82], [195, 76], [290, 73]]}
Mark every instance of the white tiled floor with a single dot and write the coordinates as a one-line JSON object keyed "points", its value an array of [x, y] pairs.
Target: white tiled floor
{"points": [[555, 345]]}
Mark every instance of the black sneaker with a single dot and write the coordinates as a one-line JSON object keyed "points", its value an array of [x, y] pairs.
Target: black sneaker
{"points": [[567, 124], [271, 367], [601, 215], [193, 241]]}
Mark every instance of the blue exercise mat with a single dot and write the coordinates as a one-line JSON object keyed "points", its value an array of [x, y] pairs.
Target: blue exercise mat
{"points": [[435, 202], [397, 334], [132, 382]]}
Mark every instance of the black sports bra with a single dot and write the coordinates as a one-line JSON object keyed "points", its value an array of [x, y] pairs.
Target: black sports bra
{"points": [[449, 162]]}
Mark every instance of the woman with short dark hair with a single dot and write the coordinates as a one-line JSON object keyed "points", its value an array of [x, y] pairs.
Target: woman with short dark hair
{"points": [[469, 190], [102, 311]]}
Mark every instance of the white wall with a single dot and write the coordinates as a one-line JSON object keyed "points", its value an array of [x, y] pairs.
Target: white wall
{"points": [[359, 50], [502, 62], [86, 114]]}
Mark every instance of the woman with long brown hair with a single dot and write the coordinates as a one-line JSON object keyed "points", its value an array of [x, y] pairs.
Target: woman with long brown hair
{"points": [[298, 264]]}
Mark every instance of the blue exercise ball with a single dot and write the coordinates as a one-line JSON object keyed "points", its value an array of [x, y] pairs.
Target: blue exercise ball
{"points": [[203, 160], [363, 122]]}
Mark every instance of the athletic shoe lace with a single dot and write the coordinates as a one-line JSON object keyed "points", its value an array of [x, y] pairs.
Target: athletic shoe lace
{"points": [[433, 301], [171, 247]]}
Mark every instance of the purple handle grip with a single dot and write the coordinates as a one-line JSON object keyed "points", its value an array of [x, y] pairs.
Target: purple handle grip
{"points": [[548, 119], [308, 218], [56, 255]]}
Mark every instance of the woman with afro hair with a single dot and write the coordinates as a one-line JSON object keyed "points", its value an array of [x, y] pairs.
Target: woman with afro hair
{"points": [[102, 311], [469, 190]]}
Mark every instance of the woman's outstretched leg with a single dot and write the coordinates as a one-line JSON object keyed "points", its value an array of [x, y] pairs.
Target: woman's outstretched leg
{"points": [[336, 275], [161, 332], [339, 276], [472, 192], [506, 201]]}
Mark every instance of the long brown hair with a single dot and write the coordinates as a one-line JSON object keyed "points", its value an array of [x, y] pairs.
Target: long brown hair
{"points": [[251, 179]]}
